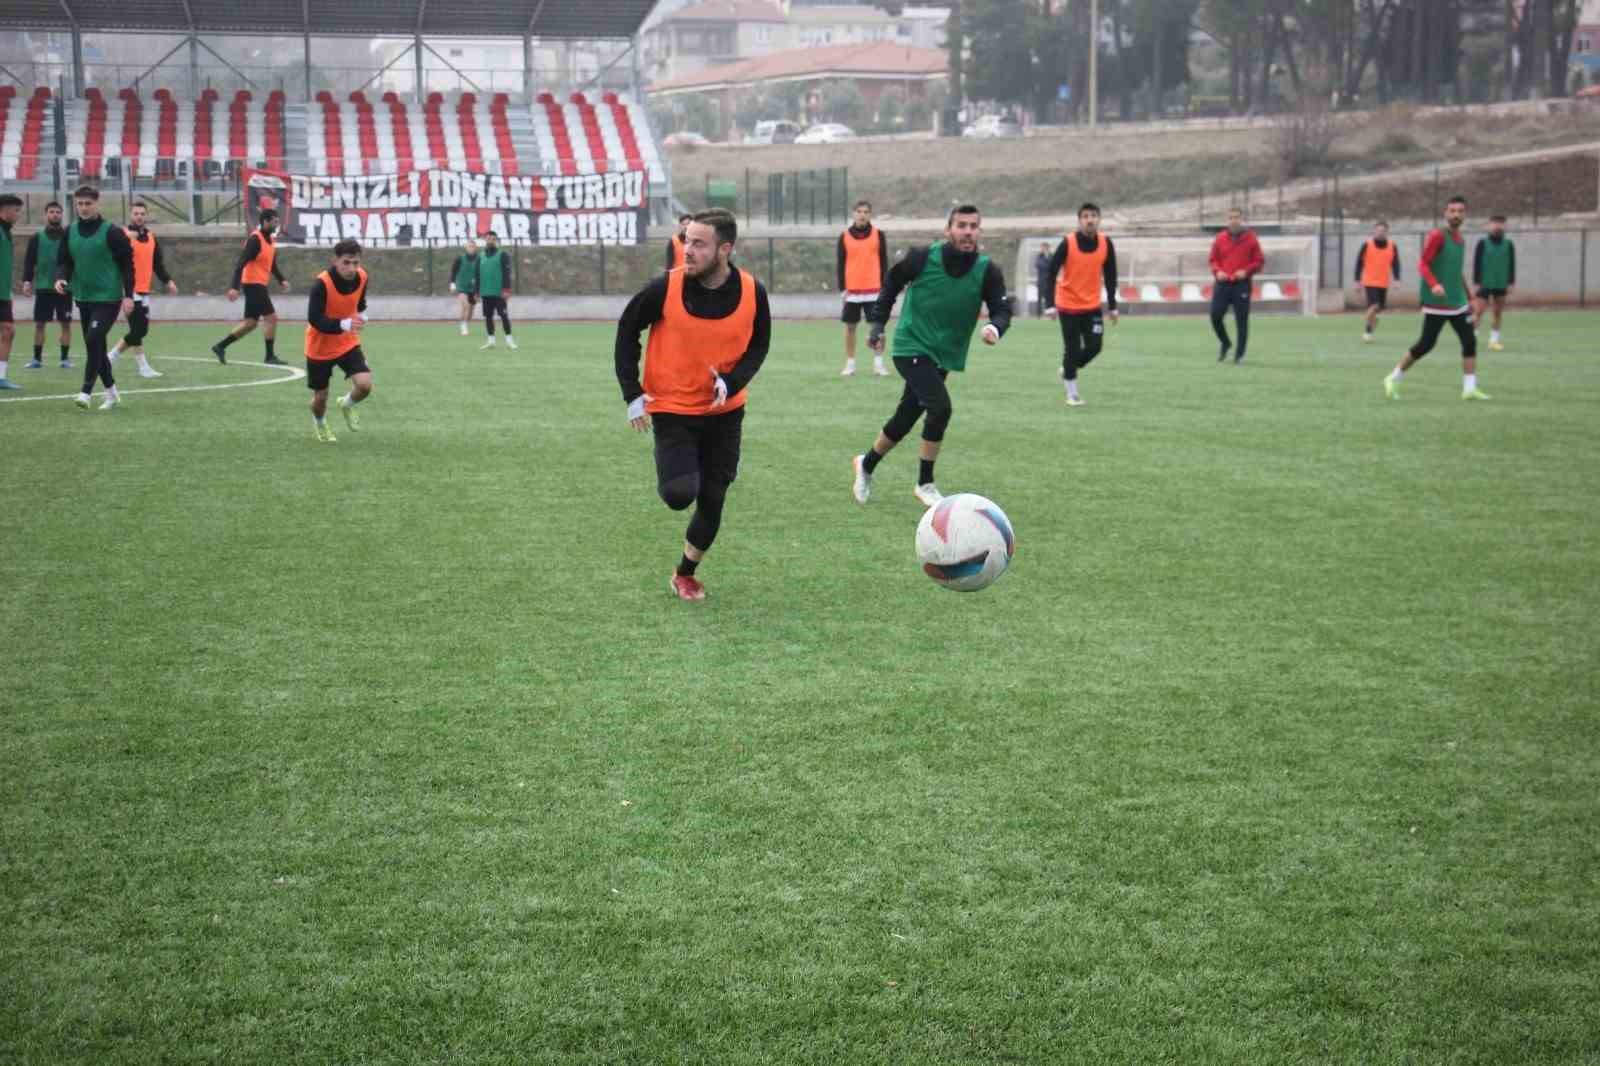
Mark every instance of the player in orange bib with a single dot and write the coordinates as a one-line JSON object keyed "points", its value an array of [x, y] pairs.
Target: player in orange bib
{"points": [[1377, 264], [675, 243], [257, 265], [147, 267], [335, 314], [1084, 264], [709, 330], [863, 264]]}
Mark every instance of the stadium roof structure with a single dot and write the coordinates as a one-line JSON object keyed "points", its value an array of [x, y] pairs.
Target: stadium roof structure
{"points": [[880, 60], [347, 18]]}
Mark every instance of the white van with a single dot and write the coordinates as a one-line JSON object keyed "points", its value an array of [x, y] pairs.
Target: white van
{"points": [[774, 131]]}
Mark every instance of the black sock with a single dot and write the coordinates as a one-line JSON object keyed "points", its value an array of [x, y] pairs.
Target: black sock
{"points": [[38, 352], [270, 342], [925, 472], [66, 352], [870, 461], [686, 566], [224, 342]]}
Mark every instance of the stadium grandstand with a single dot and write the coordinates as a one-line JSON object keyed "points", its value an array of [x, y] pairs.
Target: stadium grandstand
{"points": [[57, 131]]}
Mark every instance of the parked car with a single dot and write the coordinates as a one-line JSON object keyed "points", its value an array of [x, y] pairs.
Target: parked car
{"points": [[774, 131], [826, 133], [992, 126], [684, 137]]}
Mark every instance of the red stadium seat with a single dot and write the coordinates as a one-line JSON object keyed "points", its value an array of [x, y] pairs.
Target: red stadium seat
{"points": [[1171, 293], [434, 125], [467, 120], [1291, 290], [1129, 294], [591, 132], [502, 135]]}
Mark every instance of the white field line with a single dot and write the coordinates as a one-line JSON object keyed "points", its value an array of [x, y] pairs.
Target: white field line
{"points": [[282, 374]]}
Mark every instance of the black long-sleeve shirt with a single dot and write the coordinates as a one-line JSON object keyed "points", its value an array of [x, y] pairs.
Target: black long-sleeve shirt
{"points": [[1087, 244], [116, 240], [317, 305], [252, 248], [647, 306], [158, 265], [1477, 261], [464, 263], [957, 265], [883, 254], [1361, 262]]}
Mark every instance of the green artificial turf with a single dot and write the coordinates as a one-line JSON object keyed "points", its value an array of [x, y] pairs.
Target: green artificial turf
{"points": [[1278, 744]]}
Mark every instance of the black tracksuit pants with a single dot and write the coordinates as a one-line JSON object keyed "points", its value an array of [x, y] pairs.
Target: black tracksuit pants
{"points": [[1235, 295], [98, 318]]}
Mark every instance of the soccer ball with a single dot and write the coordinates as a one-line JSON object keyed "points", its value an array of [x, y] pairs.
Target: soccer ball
{"points": [[965, 542]]}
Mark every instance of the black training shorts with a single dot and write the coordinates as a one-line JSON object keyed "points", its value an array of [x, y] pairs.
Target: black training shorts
{"points": [[1490, 294], [319, 372], [707, 445], [49, 304], [5, 310], [257, 301], [1378, 296], [854, 312]]}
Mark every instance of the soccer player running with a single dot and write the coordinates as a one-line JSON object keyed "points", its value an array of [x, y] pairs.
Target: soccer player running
{"points": [[946, 284], [1235, 259], [1083, 264], [39, 281], [1444, 300], [10, 209], [710, 327], [147, 265], [464, 283], [257, 266], [96, 266], [335, 315], [1377, 264], [494, 285], [1494, 272], [863, 264], [675, 243]]}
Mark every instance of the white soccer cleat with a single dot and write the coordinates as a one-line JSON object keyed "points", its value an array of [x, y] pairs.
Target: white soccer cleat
{"points": [[111, 400], [81, 401], [1074, 401], [849, 370], [928, 494], [880, 371], [463, 329], [149, 372], [862, 488], [486, 345], [511, 342]]}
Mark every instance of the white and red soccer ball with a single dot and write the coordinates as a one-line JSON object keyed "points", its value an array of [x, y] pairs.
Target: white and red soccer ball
{"points": [[965, 542]]}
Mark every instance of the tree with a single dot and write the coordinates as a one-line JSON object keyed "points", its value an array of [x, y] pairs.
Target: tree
{"points": [[843, 102]]}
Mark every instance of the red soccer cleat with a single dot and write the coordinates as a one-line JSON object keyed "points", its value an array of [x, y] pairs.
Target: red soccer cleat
{"points": [[687, 588]]}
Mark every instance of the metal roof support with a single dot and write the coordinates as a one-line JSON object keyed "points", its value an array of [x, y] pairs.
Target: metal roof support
{"points": [[77, 61], [416, 57], [527, 70], [10, 75], [220, 59], [459, 72], [194, 78], [305, 30], [157, 65]]}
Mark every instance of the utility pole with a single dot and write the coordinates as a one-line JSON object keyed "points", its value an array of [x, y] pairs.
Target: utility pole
{"points": [[1094, 63]]}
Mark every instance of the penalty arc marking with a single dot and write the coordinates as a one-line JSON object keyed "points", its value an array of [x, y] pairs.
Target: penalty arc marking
{"points": [[280, 375]]}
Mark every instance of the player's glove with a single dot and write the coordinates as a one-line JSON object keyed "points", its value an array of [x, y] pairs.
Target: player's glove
{"points": [[719, 388], [991, 334], [875, 338], [636, 408], [452, 286]]}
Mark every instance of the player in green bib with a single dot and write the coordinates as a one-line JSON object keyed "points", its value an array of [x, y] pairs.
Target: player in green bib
{"points": [[10, 208], [464, 283], [1444, 300], [96, 266], [1494, 272], [39, 281], [494, 283], [946, 285]]}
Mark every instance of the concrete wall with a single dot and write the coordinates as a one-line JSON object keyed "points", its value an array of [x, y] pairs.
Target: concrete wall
{"points": [[292, 308]]}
